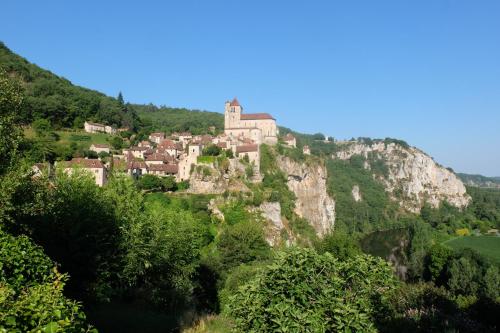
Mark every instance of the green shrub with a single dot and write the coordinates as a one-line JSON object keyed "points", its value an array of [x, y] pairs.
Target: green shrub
{"points": [[303, 291], [211, 150], [31, 291]]}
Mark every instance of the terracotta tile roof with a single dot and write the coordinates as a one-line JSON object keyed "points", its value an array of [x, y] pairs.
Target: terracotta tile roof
{"points": [[157, 157], [247, 141], [168, 144], [222, 145], [247, 148], [138, 148], [137, 165], [234, 102], [167, 168], [256, 116], [83, 163]]}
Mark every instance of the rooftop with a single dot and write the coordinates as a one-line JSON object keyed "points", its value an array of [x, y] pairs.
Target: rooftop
{"points": [[83, 163], [256, 116], [247, 148]]}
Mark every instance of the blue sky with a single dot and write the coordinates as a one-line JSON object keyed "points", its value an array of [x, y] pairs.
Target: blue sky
{"points": [[427, 72]]}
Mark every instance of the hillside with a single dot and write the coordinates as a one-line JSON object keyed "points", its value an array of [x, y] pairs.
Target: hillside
{"points": [[48, 96], [479, 180], [169, 120], [65, 105]]}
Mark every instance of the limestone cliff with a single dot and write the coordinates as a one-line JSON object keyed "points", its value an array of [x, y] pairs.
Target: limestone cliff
{"points": [[412, 177], [214, 179], [308, 182]]}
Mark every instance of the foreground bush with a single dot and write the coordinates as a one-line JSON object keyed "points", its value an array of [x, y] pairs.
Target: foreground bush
{"points": [[31, 291], [303, 291]]}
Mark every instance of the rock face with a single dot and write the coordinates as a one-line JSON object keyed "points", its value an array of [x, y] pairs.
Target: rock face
{"points": [[271, 211], [413, 177], [308, 183], [209, 179], [356, 195]]}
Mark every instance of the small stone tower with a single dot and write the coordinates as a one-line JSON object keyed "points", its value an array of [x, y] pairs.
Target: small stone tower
{"points": [[232, 114]]}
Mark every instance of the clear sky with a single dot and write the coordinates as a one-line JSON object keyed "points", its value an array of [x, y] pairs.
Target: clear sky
{"points": [[427, 72]]}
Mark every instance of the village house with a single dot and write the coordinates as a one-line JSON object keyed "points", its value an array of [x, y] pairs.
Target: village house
{"points": [[170, 147], [252, 152], [145, 143], [260, 127], [137, 168], [91, 127], [92, 166], [157, 158], [163, 169], [290, 140], [137, 152], [306, 150], [98, 148], [156, 137]]}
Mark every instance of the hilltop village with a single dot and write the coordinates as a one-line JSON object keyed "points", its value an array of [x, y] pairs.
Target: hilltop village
{"points": [[178, 154]]}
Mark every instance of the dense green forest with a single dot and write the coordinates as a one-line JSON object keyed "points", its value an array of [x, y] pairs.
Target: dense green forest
{"points": [[171, 120], [64, 105], [75, 257]]}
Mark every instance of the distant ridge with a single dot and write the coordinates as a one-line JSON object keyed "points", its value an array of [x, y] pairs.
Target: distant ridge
{"points": [[479, 180]]}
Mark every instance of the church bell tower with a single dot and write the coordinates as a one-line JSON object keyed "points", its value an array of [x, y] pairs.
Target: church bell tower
{"points": [[232, 114]]}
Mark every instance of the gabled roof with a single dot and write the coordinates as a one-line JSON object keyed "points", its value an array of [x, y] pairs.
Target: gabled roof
{"points": [[256, 116], [137, 165], [168, 144], [138, 148], [168, 168], [95, 124], [83, 163], [157, 157], [235, 102], [247, 148]]}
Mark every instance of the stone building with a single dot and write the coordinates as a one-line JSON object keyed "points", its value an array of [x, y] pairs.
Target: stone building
{"points": [[99, 148], [260, 127], [91, 166], [98, 128], [290, 140]]}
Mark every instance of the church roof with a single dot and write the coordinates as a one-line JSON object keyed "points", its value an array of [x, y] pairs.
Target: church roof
{"points": [[256, 116], [235, 102]]}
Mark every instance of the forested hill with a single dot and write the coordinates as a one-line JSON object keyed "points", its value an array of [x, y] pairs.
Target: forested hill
{"points": [[51, 97], [168, 119], [48, 96]]}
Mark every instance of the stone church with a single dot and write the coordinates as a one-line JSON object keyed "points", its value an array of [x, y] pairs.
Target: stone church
{"points": [[260, 127]]}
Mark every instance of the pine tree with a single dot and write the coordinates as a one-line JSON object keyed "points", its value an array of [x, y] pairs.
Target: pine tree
{"points": [[120, 98]]}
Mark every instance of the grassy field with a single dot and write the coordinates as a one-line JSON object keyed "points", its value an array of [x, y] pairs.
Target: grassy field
{"points": [[82, 138], [488, 246]]}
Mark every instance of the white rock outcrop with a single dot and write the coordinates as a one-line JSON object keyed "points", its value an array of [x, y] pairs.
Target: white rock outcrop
{"points": [[356, 194], [271, 211], [413, 177], [308, 183]]}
